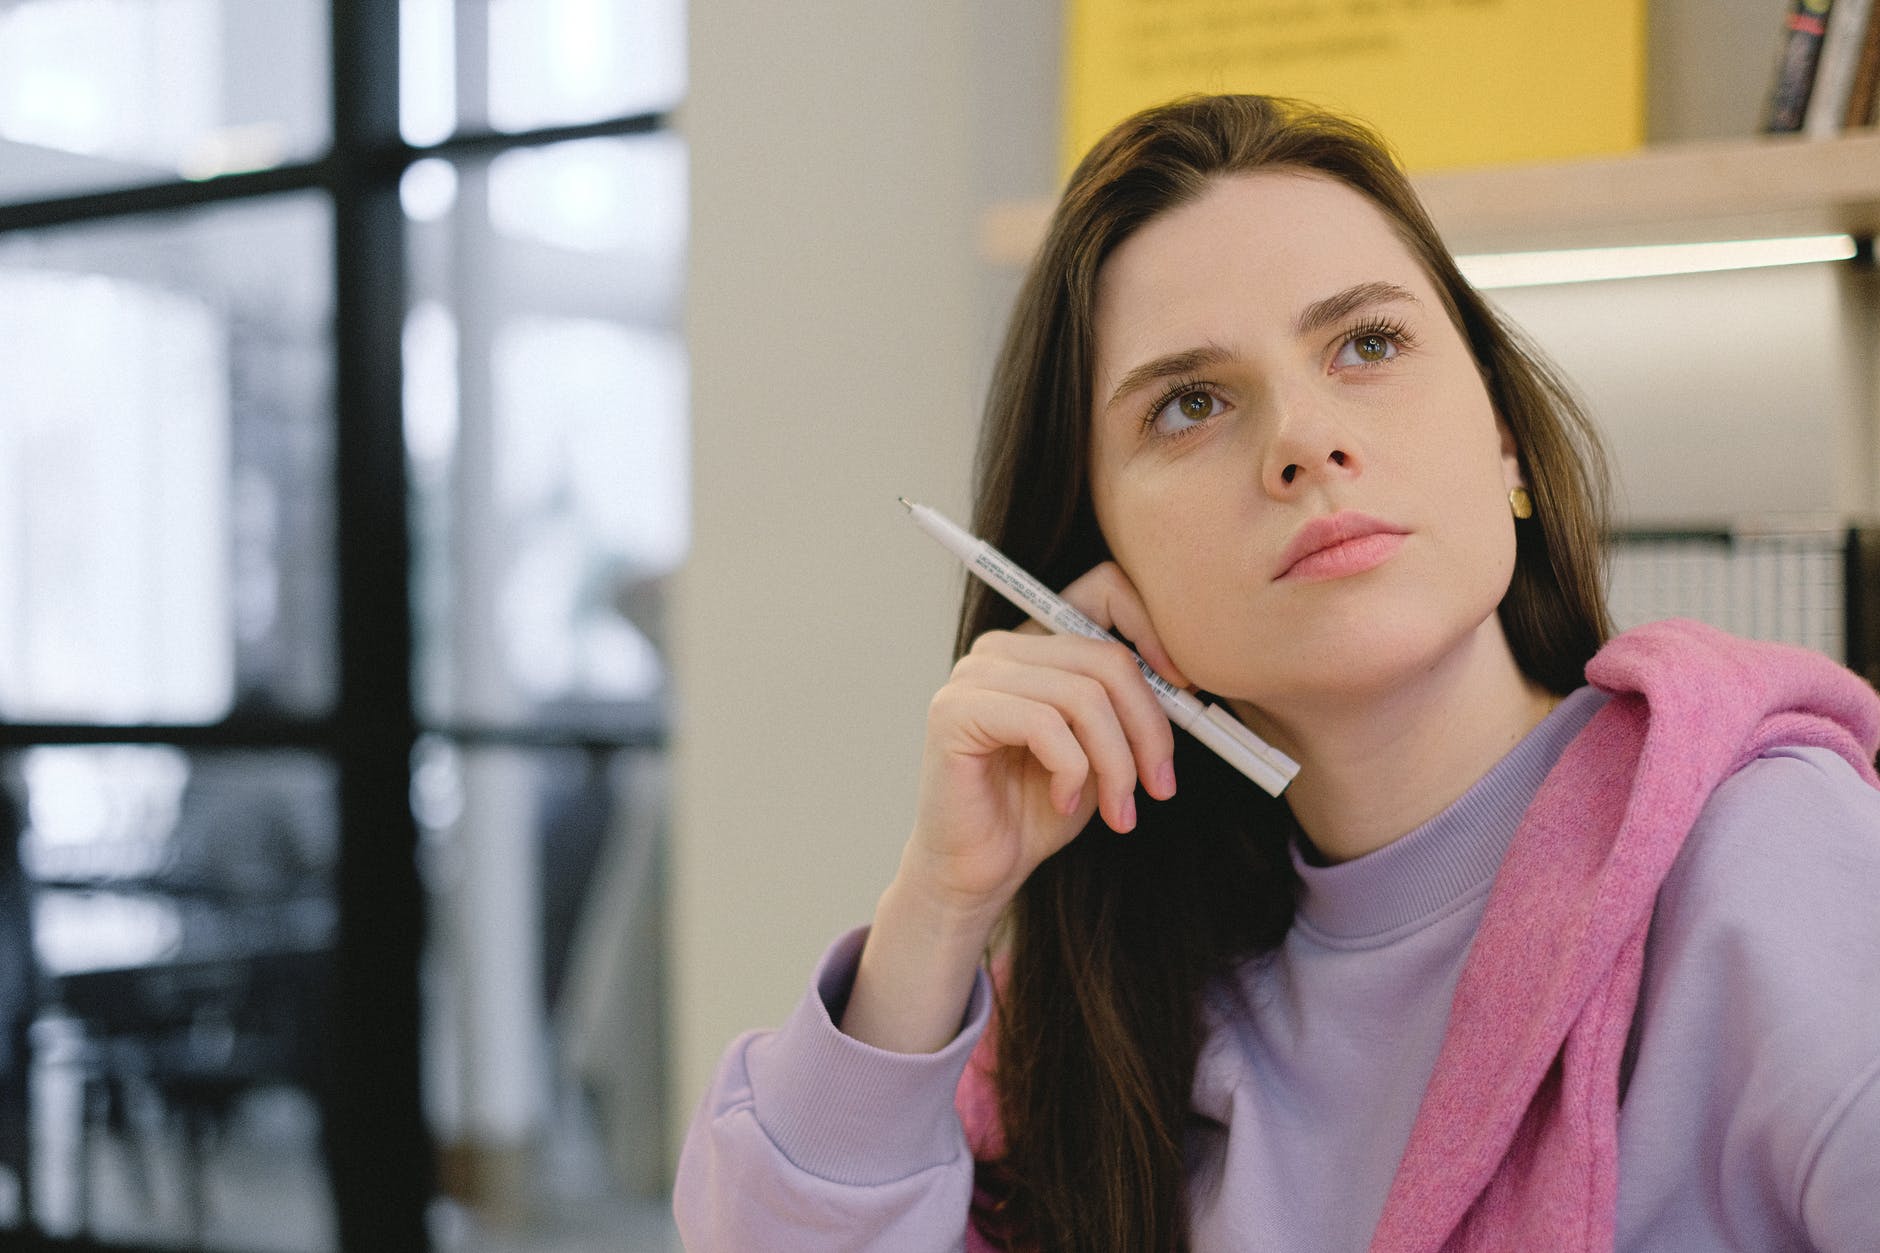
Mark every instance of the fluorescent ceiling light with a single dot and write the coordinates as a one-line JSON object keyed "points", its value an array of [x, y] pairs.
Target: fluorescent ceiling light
{"points": [[1587, 265]]}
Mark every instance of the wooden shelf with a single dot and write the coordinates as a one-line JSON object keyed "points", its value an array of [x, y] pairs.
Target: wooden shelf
{"points": [[1713, 189]]}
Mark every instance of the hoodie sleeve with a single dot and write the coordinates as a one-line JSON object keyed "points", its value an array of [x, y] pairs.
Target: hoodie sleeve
{"points": [[808, 1139], [1842, 1177], [1753, 1117]]}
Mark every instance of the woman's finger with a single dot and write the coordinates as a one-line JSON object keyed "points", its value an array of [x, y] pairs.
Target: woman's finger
{"points": [[989, 720], [1105, 595], [1100, 681], [1118, 756]]}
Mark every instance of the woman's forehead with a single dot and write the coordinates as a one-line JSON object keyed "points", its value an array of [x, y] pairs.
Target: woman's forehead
{"points": [[1250, 255], [1279, 228]]}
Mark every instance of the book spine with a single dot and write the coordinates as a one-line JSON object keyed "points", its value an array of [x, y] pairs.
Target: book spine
{"points": [[1834, 72], [1795, 76], [1860, 98]]}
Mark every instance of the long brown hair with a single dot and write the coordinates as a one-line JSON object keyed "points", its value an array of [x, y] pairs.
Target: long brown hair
{"points": [[1110, 945]]}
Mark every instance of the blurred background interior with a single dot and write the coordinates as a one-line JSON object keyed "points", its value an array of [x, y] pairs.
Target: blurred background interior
{"points": [[310, 316], [460, 657]]}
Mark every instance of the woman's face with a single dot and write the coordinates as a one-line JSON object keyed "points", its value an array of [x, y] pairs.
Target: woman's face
{"points": [[1269, 355]]}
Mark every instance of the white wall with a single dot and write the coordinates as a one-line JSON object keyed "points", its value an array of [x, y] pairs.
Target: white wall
{"points": [[833, 327], [1720, 395]]}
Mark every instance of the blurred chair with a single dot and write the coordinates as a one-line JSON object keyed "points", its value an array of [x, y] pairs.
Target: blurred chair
{"points": [[217, 993], [191, 1039]]}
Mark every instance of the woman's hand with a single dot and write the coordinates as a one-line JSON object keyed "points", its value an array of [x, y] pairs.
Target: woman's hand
{"points": [[1031, 735]]}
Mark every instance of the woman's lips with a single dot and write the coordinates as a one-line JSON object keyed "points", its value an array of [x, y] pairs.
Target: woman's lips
{"points": [[1314, 551], [1353, 556]]}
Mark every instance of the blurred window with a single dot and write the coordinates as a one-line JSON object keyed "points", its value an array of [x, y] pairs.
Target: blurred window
{"points": [[520, 65], [165, 466], [545, 383], [203, 499], [546, 870], [97, 94], [181, 918]]}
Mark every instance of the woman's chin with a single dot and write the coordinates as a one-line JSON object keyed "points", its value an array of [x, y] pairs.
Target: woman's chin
{"points": [[1335, 670]]}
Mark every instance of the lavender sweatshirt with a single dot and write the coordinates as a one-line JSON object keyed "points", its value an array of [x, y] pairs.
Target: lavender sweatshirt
{"points": [[1750, 1118]]}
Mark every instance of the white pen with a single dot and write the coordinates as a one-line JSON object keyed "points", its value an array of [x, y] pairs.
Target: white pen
{"points": [[1212, 725]]}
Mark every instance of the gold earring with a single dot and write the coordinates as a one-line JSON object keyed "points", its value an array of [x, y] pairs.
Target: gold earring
{"points": [[1521, 503]]}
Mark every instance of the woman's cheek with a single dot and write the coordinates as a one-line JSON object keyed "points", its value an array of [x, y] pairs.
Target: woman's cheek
{"points": [[1211, 642]]}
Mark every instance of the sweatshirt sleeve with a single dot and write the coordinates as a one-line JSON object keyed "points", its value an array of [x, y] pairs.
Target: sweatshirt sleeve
{"points": [[1753, 1118], [1842, 1176], [809, 1139]]}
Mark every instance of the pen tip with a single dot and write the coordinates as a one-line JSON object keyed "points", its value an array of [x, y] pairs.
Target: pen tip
{"points": [[906, 503]]}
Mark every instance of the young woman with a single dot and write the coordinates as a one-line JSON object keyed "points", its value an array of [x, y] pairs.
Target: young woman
{"points": [[1554, 942]]}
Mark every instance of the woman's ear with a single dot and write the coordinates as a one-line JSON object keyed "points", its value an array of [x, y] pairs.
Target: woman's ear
{"points": [[1512, 474]]}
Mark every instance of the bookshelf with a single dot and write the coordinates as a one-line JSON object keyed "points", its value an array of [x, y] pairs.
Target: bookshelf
{"points": [[1668, 193]]}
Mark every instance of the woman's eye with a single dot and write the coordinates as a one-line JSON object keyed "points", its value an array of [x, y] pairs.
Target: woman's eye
{"points": [[1366, 349], [1184, 410]]}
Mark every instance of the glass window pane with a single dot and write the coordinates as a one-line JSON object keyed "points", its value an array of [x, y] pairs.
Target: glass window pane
{"points": [[515, 65], [165, 466], [543, 1024], [546, 427], [108, 93], [560, 61], [174, 914], [619, 198]]}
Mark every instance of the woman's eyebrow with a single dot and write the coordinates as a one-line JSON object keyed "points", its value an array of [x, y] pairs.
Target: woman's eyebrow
{"points": [[1187, 361], [1315, 317], [1341, 305]]}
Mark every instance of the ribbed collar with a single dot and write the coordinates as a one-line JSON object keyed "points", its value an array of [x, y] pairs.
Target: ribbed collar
{"points": [[1423, 874]]}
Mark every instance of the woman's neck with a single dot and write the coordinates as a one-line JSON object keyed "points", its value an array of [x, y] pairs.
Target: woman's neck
{"points": [[1372, 769]]}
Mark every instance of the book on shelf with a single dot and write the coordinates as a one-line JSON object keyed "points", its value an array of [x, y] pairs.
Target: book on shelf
{"points": [[1807, 26], [1865, 85], [1834, 70]]}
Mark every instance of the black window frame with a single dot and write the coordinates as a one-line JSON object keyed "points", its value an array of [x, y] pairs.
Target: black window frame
{"points": [[377, 1145]]}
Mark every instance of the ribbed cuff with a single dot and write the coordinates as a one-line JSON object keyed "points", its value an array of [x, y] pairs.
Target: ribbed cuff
{"points": [[849, 1112]]}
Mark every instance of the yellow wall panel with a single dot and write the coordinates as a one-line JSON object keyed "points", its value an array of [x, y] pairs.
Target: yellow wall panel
{"points": [[1449, 82]]}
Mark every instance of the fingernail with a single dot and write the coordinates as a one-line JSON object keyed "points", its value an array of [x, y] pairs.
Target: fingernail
{"points": [[1129, 814], [1165, 779]]}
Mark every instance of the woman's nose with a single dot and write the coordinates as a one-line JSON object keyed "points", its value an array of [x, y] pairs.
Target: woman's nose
{"points": [[1337, 457], [1307, 447]]}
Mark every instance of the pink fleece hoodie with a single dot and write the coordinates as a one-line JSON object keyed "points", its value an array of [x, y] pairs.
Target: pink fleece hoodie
{"points": [[1515, 1145]]}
